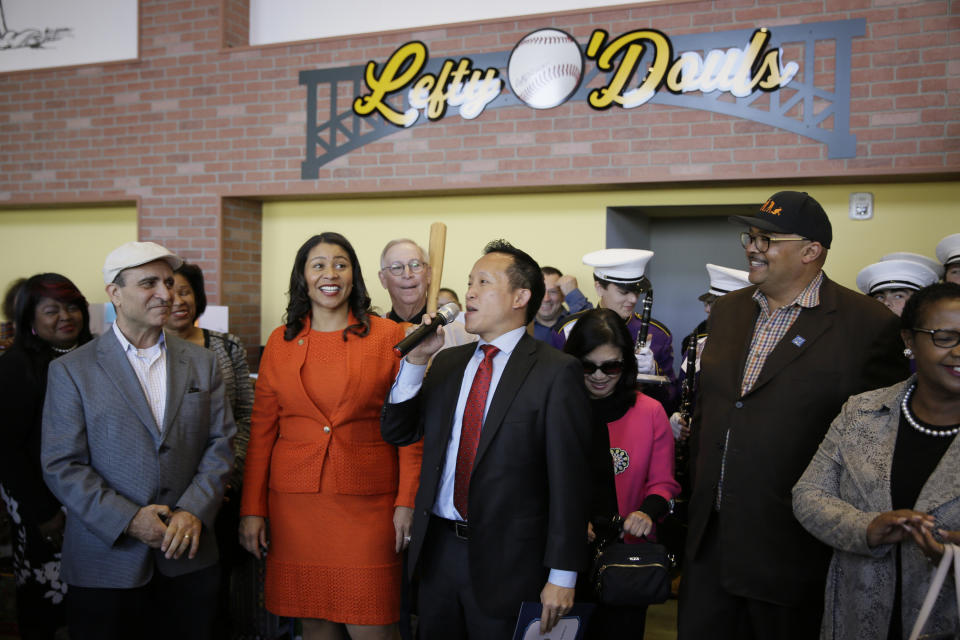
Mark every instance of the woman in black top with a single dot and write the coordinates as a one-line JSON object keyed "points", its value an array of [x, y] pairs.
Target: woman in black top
{"points": [[52, 319], [882, 488]]}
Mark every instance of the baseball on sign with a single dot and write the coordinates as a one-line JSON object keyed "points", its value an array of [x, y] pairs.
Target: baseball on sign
{"points": [[545, 68]]}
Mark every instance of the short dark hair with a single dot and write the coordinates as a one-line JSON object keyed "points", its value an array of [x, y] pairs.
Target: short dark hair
{"points": [[453, 293], [56, 287], [299, 305], [10, 299], [194, 277], [524, 273], [550, 271], [921, 301], [597, 327]]}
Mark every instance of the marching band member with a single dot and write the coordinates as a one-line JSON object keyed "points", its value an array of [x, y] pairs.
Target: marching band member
{"points": [[619, 280]]}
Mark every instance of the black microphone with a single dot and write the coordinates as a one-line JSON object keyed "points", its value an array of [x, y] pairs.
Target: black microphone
{"points": [[445, 315]]}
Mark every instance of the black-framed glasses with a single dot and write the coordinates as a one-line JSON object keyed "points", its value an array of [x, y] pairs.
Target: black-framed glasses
{"points": [[943, 338], [610, 367], [762, 242], [397, 268]]}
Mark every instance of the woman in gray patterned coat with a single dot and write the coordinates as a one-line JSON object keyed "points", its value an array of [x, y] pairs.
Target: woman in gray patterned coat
{"points": [[883, 489]]}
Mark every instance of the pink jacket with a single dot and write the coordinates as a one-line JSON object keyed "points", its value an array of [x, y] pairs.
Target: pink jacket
{"points": [[641, 444]]}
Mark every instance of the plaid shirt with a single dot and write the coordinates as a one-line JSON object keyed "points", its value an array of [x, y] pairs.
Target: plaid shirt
{"points": [[767, 332], [771, 327]]}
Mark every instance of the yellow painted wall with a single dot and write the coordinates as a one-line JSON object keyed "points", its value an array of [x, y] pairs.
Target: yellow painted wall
{"points": [[907, 217], [471, 223], [73, 242], [557, 229]]}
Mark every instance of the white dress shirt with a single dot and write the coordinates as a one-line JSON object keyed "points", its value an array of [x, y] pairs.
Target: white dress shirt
{"points": [[407, 385], [150, 365]]}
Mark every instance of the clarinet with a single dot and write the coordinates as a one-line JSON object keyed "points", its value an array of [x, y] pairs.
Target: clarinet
{"points": [[651, 384], [682, 447], [644, 321], [690, 372]]}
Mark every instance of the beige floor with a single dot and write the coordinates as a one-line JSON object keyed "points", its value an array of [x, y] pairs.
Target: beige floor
{"points": [[662, 621], [661, 618]]}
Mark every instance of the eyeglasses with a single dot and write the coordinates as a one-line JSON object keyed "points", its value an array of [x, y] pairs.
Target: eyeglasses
{"points": [[610, 367], [397, 268], [943, 338], [761, 242]]}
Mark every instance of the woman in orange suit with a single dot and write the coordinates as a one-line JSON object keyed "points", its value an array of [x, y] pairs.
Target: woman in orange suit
{"points": [[338, 498]]}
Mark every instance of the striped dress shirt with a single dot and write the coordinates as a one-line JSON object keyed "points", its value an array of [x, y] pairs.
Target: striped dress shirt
{"points": [[150, 365]]}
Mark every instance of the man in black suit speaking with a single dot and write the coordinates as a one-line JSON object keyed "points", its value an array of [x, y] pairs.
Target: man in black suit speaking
{"points": [[501, 511]]}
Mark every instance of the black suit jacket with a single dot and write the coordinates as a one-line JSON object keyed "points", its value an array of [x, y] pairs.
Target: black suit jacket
{"points": [[23, 384], [530, 481], [848, 344]]}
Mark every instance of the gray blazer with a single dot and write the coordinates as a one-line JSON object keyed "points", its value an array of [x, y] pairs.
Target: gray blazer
{"points": [[104, 458], [846, 486]]}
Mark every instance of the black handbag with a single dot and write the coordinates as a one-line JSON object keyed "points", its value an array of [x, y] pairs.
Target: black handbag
{"points": [[630, 574]]}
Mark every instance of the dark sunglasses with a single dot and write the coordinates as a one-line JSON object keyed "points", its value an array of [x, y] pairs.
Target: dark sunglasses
{"points": [[610, 367]]}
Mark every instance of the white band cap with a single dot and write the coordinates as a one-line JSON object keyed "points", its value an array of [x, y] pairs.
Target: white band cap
{"points": [[619, 265]]}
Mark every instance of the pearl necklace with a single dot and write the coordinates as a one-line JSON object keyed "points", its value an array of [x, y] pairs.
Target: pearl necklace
{"points": [[904, 406], [67, 350]]}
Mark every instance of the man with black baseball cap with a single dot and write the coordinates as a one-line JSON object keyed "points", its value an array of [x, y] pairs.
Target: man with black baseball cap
{"points": [[792, 212], [782, 358]]}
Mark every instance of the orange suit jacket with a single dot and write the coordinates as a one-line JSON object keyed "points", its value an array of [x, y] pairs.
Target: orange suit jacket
{"points": [[292, 443]]}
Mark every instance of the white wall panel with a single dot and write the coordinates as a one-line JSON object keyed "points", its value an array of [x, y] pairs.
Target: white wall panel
{"points": [[274, 21]]}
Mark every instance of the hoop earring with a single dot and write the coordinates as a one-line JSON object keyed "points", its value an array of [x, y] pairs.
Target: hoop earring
{"points": [[908, 352]]}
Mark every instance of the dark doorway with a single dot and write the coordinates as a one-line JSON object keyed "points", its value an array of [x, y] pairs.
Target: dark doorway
{"points": [[684, 238]]}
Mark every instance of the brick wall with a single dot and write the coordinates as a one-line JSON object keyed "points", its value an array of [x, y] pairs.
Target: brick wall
{"points": [[236, 23], [240, 252], [200, 129]]}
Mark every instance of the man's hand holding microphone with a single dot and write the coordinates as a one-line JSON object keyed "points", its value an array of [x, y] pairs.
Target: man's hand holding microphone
{"points": [[424, 341]]}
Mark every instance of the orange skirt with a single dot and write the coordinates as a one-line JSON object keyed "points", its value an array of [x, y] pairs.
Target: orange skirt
{"points": [[332, 557]]}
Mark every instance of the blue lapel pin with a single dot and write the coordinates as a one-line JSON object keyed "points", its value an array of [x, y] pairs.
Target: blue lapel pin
{"points": [[798, 341]]}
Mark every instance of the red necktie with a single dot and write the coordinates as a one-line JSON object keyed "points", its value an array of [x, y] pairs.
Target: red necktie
{"points": [[470, 428]]}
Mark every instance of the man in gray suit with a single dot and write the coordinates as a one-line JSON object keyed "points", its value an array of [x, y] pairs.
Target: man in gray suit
{"points": [[137, 445]]}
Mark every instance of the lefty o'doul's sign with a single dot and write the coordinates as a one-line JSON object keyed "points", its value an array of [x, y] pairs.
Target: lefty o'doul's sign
{"points": [[545, 68], [724, 72]]}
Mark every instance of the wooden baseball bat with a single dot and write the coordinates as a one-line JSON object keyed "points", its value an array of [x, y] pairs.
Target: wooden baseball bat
{"points": [[438, 244]]}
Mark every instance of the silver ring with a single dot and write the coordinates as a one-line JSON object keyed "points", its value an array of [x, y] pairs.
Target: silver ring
{"points": [[407, 538], [186, 536]]}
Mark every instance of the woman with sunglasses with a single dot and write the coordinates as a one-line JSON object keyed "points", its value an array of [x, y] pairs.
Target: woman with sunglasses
{"points": [[882, 488], [641, 444]]}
